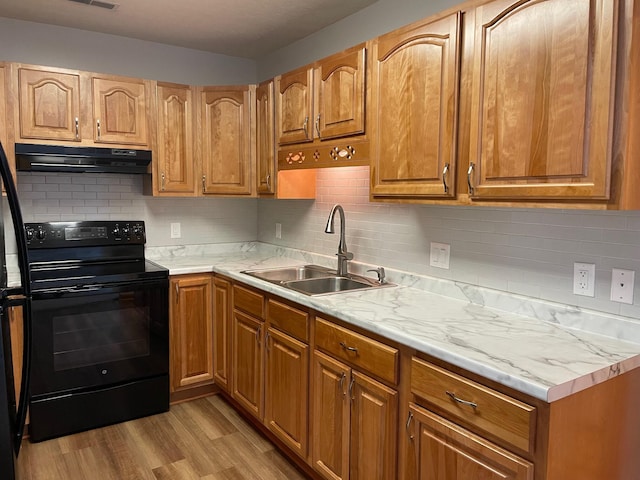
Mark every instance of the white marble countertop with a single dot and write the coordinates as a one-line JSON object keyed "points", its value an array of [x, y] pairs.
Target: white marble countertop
{"points": [[547, 360]]}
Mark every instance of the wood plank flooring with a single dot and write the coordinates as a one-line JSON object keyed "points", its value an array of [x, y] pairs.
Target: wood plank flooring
{"points": [[202, 439]]}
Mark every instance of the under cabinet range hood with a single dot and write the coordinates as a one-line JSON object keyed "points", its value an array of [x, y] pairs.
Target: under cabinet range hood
{"points": [[56, 158]]}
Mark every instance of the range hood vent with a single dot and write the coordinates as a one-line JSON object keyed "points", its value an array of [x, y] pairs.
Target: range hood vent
{"points": [[54, 158]]}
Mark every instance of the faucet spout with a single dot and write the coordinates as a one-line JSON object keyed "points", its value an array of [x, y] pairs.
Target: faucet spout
{"points": [[343, 254]]}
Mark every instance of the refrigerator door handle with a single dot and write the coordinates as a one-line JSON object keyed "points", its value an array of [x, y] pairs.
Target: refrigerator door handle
{"points": [[25, 281]]}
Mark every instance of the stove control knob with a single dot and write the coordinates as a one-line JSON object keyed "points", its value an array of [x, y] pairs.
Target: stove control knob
{"points": [[137, 231], [126, 231], [30, 233], [41, 233], [117, 234]]}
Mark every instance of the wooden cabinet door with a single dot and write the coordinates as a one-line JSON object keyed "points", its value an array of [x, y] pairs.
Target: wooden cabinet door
{"points": [[286, 389], [191, 327], [247, 365], [265, 138], [120, 111], [222, 311], [374, 429], [226, 140], [543, 90], [294, 106], [48, 105], [330, 417], [174, 172], [341, 94], [445, 451], [414, 105]]}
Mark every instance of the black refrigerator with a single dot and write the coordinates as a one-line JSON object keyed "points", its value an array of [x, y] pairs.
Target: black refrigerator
{"points": [[13, 407]]}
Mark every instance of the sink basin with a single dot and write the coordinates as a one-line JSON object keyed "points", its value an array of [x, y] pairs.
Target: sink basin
{"points": [[320, 286], [314, 279], [287, 274]]}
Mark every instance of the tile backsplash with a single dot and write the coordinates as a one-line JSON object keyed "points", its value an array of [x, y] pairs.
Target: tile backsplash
{"points": [[524, 251], [54, 197]]}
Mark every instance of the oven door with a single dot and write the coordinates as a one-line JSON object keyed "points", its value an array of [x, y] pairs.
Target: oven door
{"points": [[89, 337]]}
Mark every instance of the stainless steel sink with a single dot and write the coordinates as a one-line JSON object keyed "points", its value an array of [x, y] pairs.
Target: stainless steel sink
{"points": [[287, 274], [315, 280], [320, 286]]}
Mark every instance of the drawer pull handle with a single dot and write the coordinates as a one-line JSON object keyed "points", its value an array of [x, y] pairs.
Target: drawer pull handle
{"points": [[463, 402], [348, 348]]}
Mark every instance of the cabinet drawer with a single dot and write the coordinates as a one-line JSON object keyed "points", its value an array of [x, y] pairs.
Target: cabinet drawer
{"points": [[248, 301], [288, 319], [495, 413], [377, 358]]}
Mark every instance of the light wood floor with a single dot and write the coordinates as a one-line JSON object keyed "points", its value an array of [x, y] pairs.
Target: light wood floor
{"points": [[202, 439]]}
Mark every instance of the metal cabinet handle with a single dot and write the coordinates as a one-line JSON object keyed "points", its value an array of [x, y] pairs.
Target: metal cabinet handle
{"points": [[258, 334], [204, 183], [341, 384], [177, 293], [347, 348], [461, 401], [304, 127], [77, 121], [268, 179], [318, 126], [353, 380], [162, 182], [266, 340], [445, 171], [99, 131], [408, 425], [469, 172]]}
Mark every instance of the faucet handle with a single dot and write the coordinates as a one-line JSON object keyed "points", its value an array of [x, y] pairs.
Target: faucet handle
{"points": [[381, 274]]}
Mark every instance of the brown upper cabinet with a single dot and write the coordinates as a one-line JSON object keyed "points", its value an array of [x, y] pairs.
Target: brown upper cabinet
{"points": [[543, 81], [173, 168], [414, 110], [226, 140], [320, 112], [265, 139], [59, 105]]}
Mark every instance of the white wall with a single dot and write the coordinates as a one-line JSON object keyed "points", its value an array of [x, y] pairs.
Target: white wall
{"points": [[524, 251], [50, 45]]}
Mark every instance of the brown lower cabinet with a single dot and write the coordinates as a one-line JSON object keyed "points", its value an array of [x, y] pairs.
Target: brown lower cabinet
{"points": [[353, 423], [346, 404]]}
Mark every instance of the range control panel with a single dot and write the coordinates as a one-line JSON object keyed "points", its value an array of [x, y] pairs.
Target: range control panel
{"points": [[85, 233]]}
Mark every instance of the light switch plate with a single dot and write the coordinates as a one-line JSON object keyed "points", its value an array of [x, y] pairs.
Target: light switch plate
{"points": [[175, 230], [278, 230], [622, 283], [439, 255]]}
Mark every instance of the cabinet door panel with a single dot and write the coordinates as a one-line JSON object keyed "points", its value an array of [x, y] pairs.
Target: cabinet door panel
{"points": [[374, 428], [49, 105], [294, 103], [341, 94], [265, 139], [445, 451], [415, 98], [330, 417], [247, 368], [222, 332], [226, 140], [543, 83], [175, 157], [286, 390], [191, 332], [120, 111]]}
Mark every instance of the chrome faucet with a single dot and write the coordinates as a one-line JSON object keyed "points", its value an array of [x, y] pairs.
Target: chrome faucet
{"points": [[343, 255]]}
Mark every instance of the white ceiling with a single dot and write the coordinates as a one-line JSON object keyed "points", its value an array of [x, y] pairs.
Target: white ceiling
{"points": [[241, 28]]}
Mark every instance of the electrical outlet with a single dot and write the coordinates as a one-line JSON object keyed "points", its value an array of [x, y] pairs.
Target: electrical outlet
{"points": [[175, 230], [439, 255], [622, 283], [278, 230], [584, 279]]}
